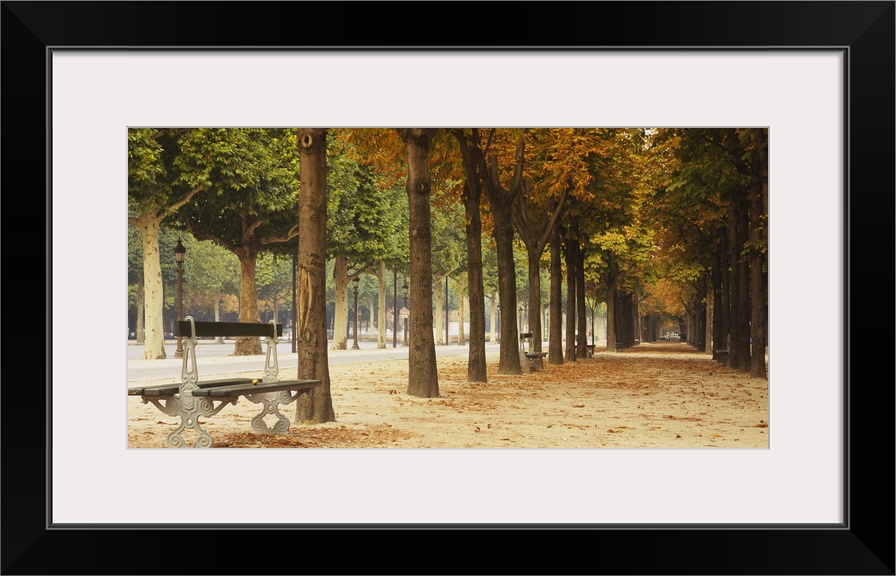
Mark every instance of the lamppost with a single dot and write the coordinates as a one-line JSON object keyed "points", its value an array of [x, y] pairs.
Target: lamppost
{"points": [[499, 322], [179, 252], [355, 282], [404, 292], [521, 317]]}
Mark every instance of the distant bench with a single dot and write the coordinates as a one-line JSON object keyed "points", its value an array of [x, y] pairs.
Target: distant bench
{"points": [[192, 399], [526, 349]]}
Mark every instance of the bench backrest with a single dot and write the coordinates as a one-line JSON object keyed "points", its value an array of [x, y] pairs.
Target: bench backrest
{"points": [[234, 329]]}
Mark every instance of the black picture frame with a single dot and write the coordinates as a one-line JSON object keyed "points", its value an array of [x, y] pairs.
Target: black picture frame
{"points": [[863, 545]]}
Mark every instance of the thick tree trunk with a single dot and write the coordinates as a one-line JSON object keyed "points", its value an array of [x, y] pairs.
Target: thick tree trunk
{"points": [[535, 307], [340, 308], [381, 315], [719, 334], [582, 344], [248, 301], [726, 274], [757, 259], [570, 257], [473, 164], [743, 288], [555, 343], [423, 378], [311, 289], [707, 321], [734, 245], [154, 343]]}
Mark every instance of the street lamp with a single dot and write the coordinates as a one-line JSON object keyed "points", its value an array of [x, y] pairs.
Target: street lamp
{"points": [[499, 322], [179, 252], [355, 282], [521, 318], [404, 292]]}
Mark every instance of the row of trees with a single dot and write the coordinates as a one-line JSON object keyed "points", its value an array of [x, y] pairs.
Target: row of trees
{"points": [[655, 222], [211, 282]]}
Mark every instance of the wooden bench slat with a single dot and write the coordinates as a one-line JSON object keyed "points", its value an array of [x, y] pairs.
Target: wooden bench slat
{"points": [[235, 329], [240, 389], [172, 389]]}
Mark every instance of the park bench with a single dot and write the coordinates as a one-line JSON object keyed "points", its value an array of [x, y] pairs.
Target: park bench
{"points": [[723, 354], [526, 350], [191, 399]]}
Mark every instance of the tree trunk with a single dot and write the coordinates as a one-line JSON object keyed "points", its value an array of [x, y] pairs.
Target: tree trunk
{"points": [[570, 257], [582, 345], [710, 295], [439, 304], [461, 289], [423, 378], [248, 346], [311, 306], [501, 201], [340, 308], [493, 320], [154, 344], [734, 350], [535, 307], [141, 305], [719, 333], [474, 168], [555, 344], [381, 304], [757, 242], [743, 287], [611, 308], [725, 269]]}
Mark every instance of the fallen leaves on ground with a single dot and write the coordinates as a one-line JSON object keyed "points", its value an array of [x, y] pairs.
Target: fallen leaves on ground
{"points": [[662, 395]]}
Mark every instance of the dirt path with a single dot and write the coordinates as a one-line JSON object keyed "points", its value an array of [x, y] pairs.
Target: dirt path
{"points": [[661, 395]]}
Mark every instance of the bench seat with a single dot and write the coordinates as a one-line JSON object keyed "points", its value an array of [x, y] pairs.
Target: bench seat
{"points": [[172, 389], [235, 390]]}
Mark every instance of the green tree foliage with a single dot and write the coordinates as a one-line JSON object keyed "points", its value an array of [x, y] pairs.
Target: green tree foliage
{"points": [[251, 181]]}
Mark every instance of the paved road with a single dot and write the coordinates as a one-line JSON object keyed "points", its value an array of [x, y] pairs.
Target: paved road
{"points": [[214, 359]]}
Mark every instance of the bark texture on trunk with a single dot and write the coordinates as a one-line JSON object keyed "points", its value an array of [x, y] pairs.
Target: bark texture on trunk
{"points": [[423, 378], [570, 257], [757, 256], [311, 289], [248, 257], [154, 343], [340, 307], [555, 338], [743, 288], [501, 202], [474, 172], [581, 311], [611, 307]]}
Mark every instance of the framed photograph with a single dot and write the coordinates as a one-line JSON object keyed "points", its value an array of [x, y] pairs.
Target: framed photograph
{"points": [[818, 75]]}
